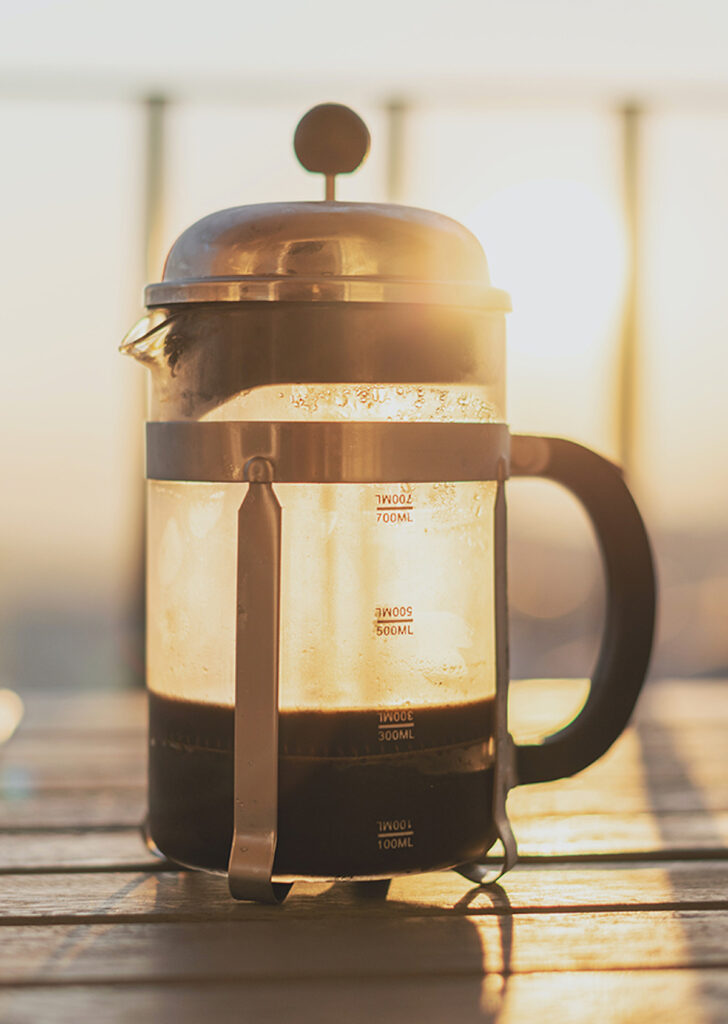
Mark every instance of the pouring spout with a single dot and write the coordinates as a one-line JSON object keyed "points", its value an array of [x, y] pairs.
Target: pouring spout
{"points": [[147, 338]]}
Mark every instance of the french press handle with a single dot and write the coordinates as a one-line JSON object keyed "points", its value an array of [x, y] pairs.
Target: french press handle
{"points": [[630, 615]]}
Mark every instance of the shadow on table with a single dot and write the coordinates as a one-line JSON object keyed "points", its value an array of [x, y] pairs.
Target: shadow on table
{"points": [[336, 955]]}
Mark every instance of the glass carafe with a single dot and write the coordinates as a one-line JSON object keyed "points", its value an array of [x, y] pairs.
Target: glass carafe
{"points": [[387, 647]]}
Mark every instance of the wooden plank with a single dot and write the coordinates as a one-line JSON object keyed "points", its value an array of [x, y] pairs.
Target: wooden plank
{"points": [[607, 789], [658, 755], [32, 762], [702, 701], [531, 887], [667, 787], [572, 838], [190, 896], [537, 706], [668, 746], [82, 943], [642, 835], [653, 997], [639, 774], [617, 786], [366, 947], [122, 849], [548, 821], [102, 808], [77, 713], [657, 766]]}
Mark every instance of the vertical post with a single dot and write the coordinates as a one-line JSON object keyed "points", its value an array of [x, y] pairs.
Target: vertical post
{"points": [[155, 109], [504, 772], [396, 116], [628, 364], [154, 126]]}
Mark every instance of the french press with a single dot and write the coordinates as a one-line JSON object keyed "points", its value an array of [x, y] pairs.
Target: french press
{"points": [[327, 456]]}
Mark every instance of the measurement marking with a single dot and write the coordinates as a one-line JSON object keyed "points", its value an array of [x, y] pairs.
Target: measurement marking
{"points": [[395, 508], [395, 835], [383, 622]]}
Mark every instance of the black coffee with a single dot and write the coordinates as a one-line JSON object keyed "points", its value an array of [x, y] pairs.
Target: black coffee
{"points": [[366, 793]]}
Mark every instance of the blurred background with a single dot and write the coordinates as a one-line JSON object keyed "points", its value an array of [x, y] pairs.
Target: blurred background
{"points": [[585, 143]]}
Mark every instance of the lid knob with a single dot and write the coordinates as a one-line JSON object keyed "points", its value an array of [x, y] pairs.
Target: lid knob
{"points": [[331, 139]]}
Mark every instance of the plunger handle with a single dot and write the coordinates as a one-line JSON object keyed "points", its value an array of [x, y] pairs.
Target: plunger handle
{"points": [[331, 139]]}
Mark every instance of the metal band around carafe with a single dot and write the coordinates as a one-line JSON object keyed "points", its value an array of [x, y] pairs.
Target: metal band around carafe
{"points": [[328, 452]]}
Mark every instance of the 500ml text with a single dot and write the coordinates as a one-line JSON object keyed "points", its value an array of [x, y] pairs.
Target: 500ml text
{"points": [[398, 629], [394, 620]]}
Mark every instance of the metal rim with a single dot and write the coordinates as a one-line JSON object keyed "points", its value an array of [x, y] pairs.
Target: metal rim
{"points": [[340, 289]]}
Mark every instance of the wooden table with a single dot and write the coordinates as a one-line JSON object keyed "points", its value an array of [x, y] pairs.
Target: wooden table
{"points": [[618, 910]]}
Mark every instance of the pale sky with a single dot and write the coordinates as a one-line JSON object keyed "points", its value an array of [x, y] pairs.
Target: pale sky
{"points": [[623, 43]]}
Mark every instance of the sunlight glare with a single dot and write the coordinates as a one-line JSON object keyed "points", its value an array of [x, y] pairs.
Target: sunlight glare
{"points": [[558, 247]]}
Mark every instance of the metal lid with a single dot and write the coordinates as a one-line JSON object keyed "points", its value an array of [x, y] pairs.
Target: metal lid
{"points": [[327, 251]]}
